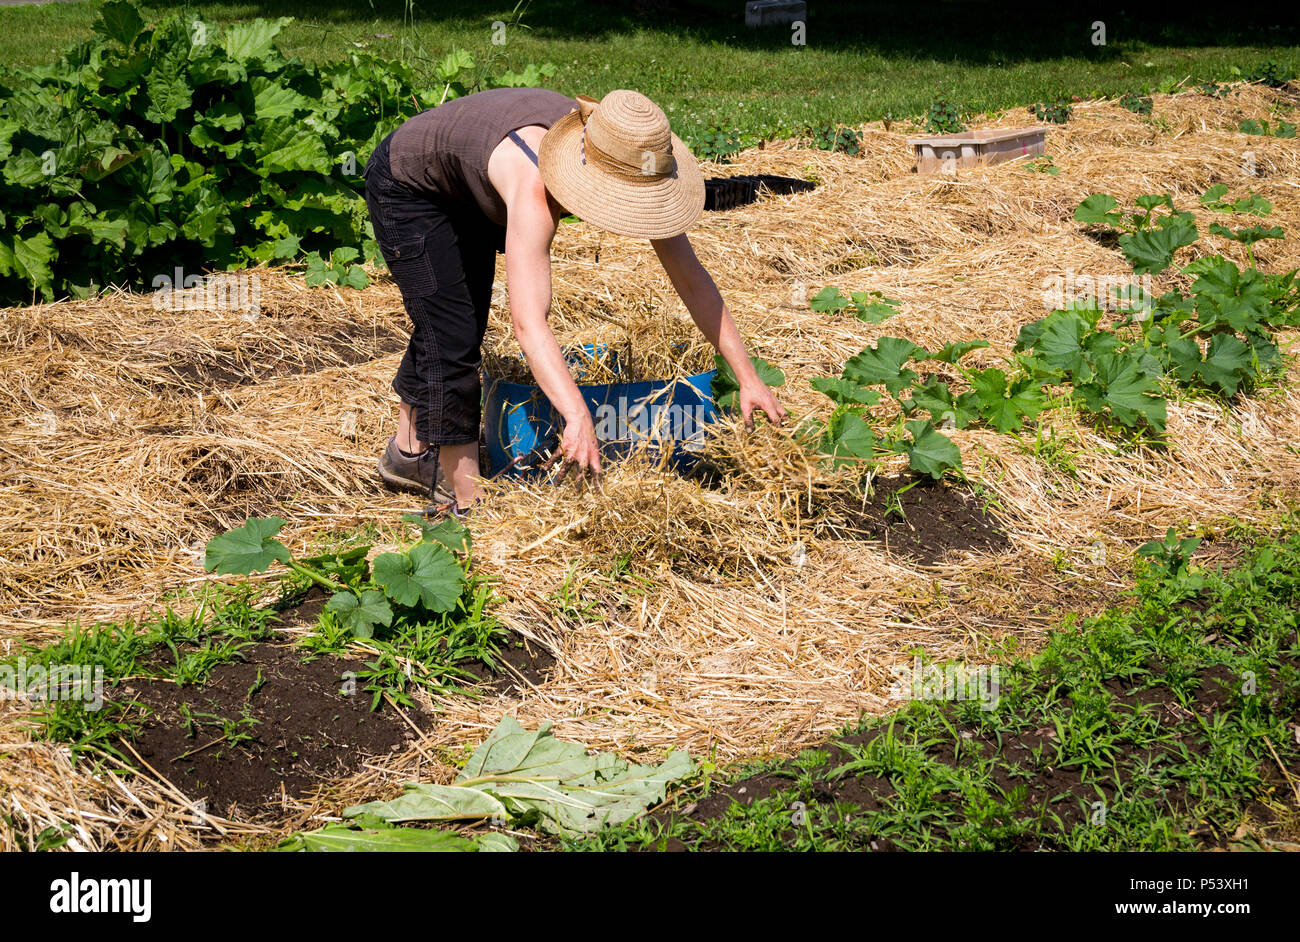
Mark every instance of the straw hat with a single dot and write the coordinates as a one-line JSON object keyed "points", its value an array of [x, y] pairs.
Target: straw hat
{"points": [[615, 163]]}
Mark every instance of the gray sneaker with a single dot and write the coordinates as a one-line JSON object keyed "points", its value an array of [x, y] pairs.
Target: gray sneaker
{"points": [[420, 475]]}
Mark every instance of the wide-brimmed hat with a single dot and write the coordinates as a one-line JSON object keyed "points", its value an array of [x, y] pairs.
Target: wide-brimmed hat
{"points": [[616, 164]]}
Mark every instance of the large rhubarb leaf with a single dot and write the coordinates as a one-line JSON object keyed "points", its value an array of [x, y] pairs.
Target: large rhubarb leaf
{"points": [[255, 40], [119, 20], [422, 802], [339, 837], [535, 778]]}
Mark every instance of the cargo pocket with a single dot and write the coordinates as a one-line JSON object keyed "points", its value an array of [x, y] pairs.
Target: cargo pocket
{"points": [[412, 269]]}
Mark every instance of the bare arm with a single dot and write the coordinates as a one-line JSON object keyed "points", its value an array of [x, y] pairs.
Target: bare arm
{"points": [[701, 296], [530, 226]]}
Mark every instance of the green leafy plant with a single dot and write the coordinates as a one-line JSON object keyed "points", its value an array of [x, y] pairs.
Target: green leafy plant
{"points": [[836, 138], [1108, 376], [1283, 129], [1270, 73], [1251, 204], [1171, 554], [427, 578], [1149, 239], [717, 144], [338, 270], [1005, 402], [847, 437], [1169, 84], [1043, 164], [184, 144], [943, 118], [930, 451], [1055, 111], [1217, 337], [872, 307], [1138, 104]]}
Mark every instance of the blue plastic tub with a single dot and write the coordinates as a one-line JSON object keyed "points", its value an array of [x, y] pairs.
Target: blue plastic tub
{"points": [[522, 425]]}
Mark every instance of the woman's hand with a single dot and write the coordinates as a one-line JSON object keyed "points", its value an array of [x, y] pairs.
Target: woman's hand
{"points": [[579, 446], [758, 396]]}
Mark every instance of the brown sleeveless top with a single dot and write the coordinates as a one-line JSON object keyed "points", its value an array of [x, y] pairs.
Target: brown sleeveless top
{"points": [[443, 152]]}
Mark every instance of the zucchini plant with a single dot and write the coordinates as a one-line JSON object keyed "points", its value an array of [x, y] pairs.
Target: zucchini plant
{"points": [[1217, 339], [847, 436], [1147, 238], [872, 307], [398, 587]]}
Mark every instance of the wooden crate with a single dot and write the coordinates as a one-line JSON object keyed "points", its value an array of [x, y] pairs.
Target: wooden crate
{"points": [[944, 153]]}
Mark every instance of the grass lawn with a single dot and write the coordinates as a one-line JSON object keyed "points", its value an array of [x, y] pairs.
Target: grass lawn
{"points": [[861, 61]]}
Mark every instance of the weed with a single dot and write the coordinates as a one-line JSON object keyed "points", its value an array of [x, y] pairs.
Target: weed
{"points": [[1171, 553], [1055, 111], [717, 144], [836, 138], [1269, 73], [1043, 164], [1138, 104], [1283, 129], [943, 118]]}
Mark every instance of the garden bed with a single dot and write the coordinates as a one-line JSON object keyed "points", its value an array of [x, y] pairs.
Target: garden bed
{"points": [[750, 618], [925, 521], [271, 726]]}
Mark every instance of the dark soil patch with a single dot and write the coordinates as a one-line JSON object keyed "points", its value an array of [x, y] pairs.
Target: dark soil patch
{"points": [[520, 665], [274, 723], [856, 794], [305, 610], [1106, 238], [1215, 553], [301, 729], [928, 521], [266, 358]]}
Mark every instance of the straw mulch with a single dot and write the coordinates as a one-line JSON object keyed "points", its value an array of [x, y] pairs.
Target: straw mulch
{"points": [[741, 628]]}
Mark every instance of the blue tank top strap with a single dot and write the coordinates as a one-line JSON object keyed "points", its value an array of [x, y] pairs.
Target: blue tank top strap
{"points": [[514, 136]]}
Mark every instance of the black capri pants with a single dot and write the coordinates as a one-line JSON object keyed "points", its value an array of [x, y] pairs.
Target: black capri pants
{"points": [[443, 260]]}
